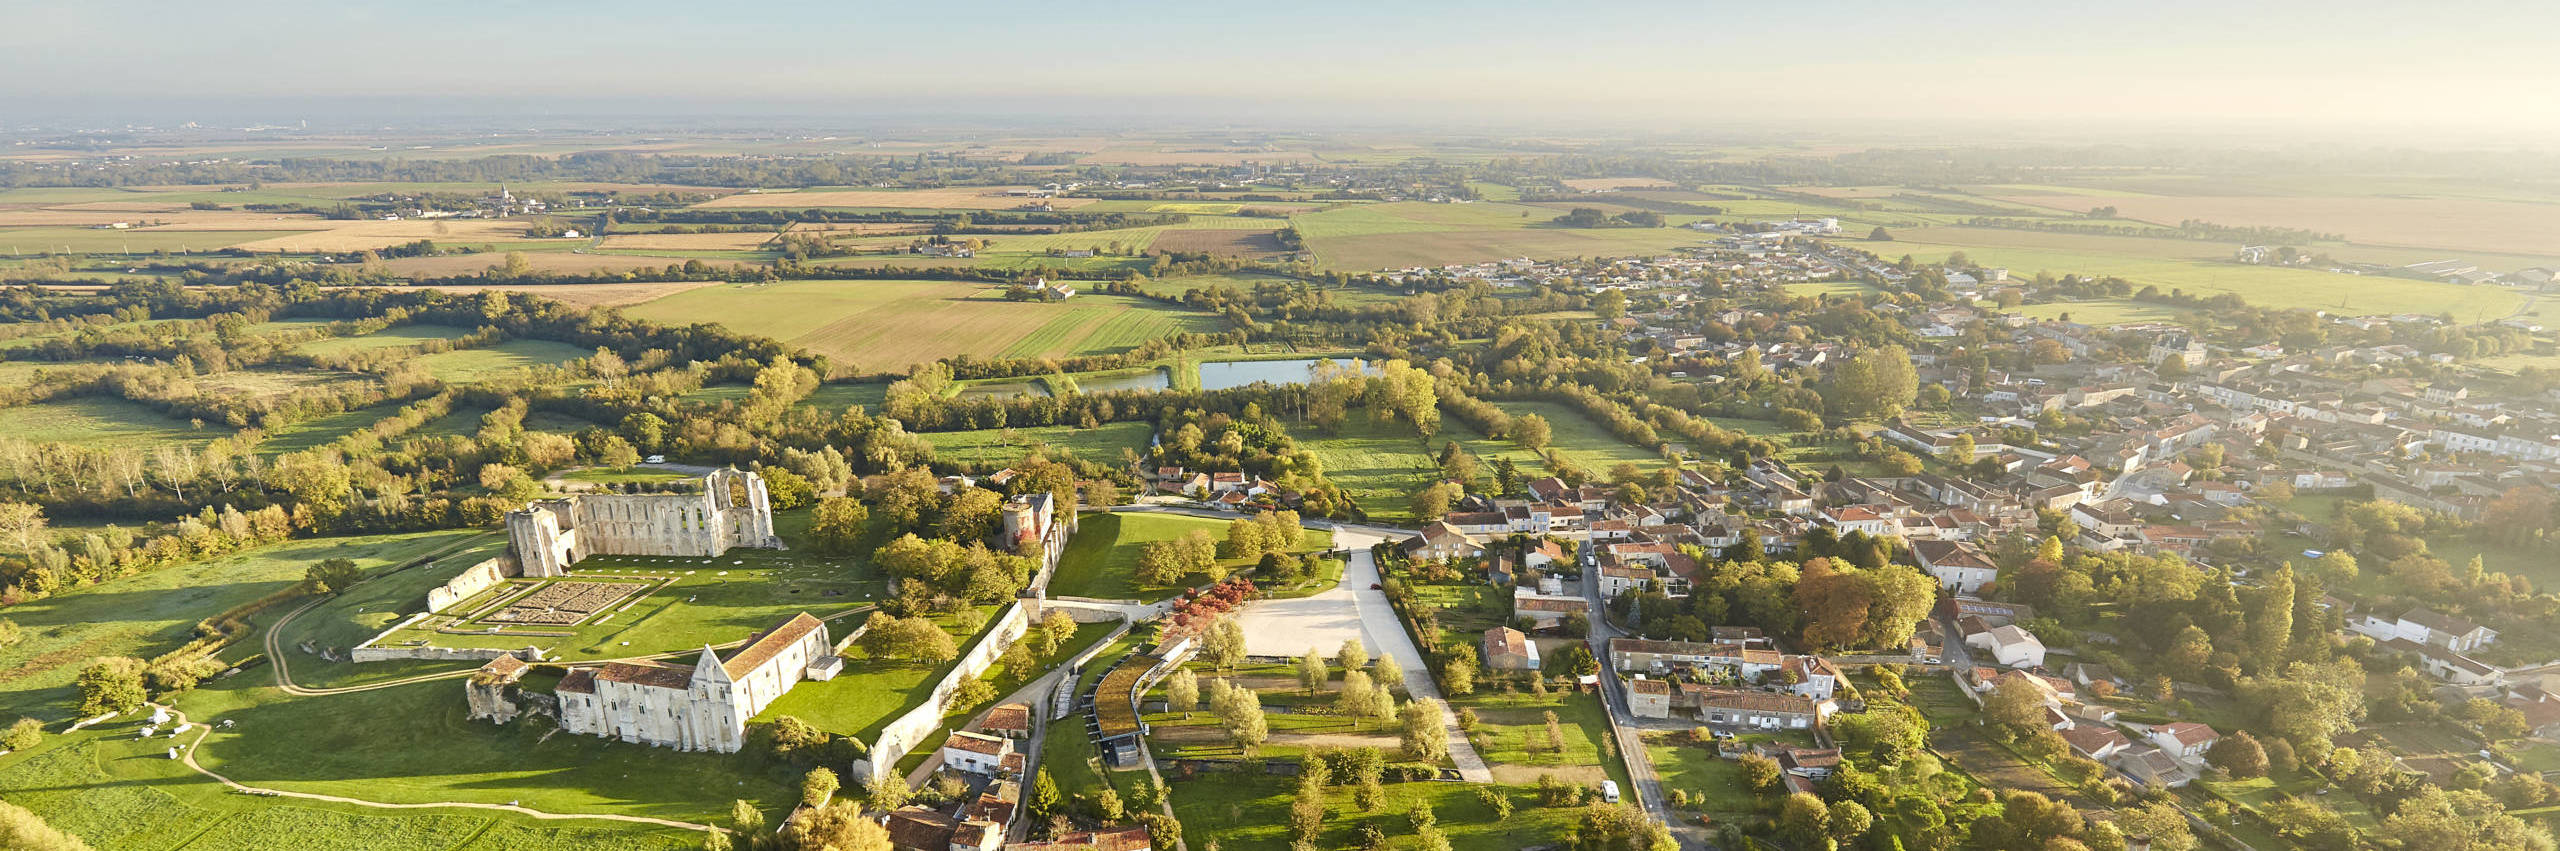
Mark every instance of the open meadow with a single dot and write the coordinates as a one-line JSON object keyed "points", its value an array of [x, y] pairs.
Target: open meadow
{"points": [[991, 448], [1414, 233]]}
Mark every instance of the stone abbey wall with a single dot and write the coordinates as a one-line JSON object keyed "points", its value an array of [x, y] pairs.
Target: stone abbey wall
{"points": [[731, 509], [470, 582], [905, 733]]}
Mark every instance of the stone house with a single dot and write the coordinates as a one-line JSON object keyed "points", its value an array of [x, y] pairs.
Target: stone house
{"points": [[1506, 649], [976, 753], [698, 707]]}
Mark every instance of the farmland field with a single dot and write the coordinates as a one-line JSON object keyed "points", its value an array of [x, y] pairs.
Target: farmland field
{"points": [[359, 235], [2451, 223], [885, 326], [395, 336], [92, 241], [685, 241], [954, 198], [2025, 253], [998, 447], [469, 365], [98, 421], [1397, 235]]}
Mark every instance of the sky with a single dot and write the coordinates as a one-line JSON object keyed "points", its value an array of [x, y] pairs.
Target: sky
{"points": [[2460, 65]]}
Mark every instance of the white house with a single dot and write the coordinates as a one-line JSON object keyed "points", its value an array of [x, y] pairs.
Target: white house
{"points": [[2010, 646], [1959, 566], [976, 753], [2186, 740]]}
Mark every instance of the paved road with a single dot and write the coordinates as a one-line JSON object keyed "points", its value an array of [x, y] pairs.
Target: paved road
{"points": [[1640, 773], [1386, 636]]}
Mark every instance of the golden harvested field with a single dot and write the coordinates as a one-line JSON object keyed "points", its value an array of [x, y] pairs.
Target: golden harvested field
{"points": [[1228, 242], [1603, 184], [360, 235], [2454, 224], [953, 198], [449, 265], [1144, 157], [589, 295], [860, 228], [86, 215], [685, 241]]}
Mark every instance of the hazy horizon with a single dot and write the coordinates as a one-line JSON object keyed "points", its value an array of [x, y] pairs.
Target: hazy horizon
{"points": [[2288, 68]]}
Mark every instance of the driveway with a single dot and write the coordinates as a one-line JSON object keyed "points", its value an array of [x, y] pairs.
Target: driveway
{"points": [[1624, 725], [1354, 609]]}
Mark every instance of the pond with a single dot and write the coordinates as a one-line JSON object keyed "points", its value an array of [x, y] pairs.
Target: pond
{"points": [[1145, 382], [1228, 375]]}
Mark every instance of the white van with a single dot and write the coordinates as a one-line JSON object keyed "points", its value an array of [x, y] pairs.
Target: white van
{"points": [[1609, 791]]}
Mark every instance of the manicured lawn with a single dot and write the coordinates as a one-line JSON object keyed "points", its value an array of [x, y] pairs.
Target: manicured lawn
{"points": [[348, 618], [1583, 441], [1101, 561], [998, 447], [861, 700], [1381, 465], [713, 601], [154, 612]]}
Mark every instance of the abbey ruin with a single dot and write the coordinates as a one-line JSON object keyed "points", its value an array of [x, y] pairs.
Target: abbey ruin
{"points": [[730, 510]]}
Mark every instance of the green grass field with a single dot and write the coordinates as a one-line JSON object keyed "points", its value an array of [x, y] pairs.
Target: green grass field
{"points": [[469, 365], [1248, 811], [100, 421], [320, 431], [1101, 560], [412, 744], [861, 700], [154, 612], [1583, 441], [118, 794], [886, 326], [1511, 735], [998, 447], [360, 613], [396, 336]]}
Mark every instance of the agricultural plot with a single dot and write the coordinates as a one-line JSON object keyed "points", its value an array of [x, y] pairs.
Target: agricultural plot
{"points": [[1249, 811], [2450, 223], [100, 421], [361, 235], [2025, 253], [1229, 243], [746, 241], [1404, 234], [392, 337], [886, 326], [465, 366], [953, 198], [151, 613], [997, 447], [94, 241]]}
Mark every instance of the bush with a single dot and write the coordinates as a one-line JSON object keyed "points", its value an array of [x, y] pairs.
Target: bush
{"points": [[22, 735]]}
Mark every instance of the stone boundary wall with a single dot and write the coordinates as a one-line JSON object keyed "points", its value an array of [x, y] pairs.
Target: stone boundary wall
{"points": [[367, 652], [471, 581], [905, 733]]}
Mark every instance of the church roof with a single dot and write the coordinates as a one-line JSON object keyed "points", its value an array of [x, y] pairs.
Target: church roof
{"points": [[766, 646], [579, 681], [644, 673]]}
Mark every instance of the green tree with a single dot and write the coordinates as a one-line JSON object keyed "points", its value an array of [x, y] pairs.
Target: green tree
{"points": [[1352, 655], [332, 576], [1312, 673], [110, 684], [1044, 794], [1760, 773], [839, 524], [817, 786], [22, 735], [1425, 736], [1182, 691], [21, 830], [1806, 820], [2239, 754], [1531, 431]]}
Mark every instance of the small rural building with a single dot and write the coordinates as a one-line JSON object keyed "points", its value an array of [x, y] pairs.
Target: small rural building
{"points": [[2185, 740], [2009, 645], [1649, 698], [976, 753], [1506, 649]]}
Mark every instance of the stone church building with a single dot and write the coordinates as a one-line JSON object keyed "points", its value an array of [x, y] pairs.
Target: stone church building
{"points": [[730, 510], [699, 707]]}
